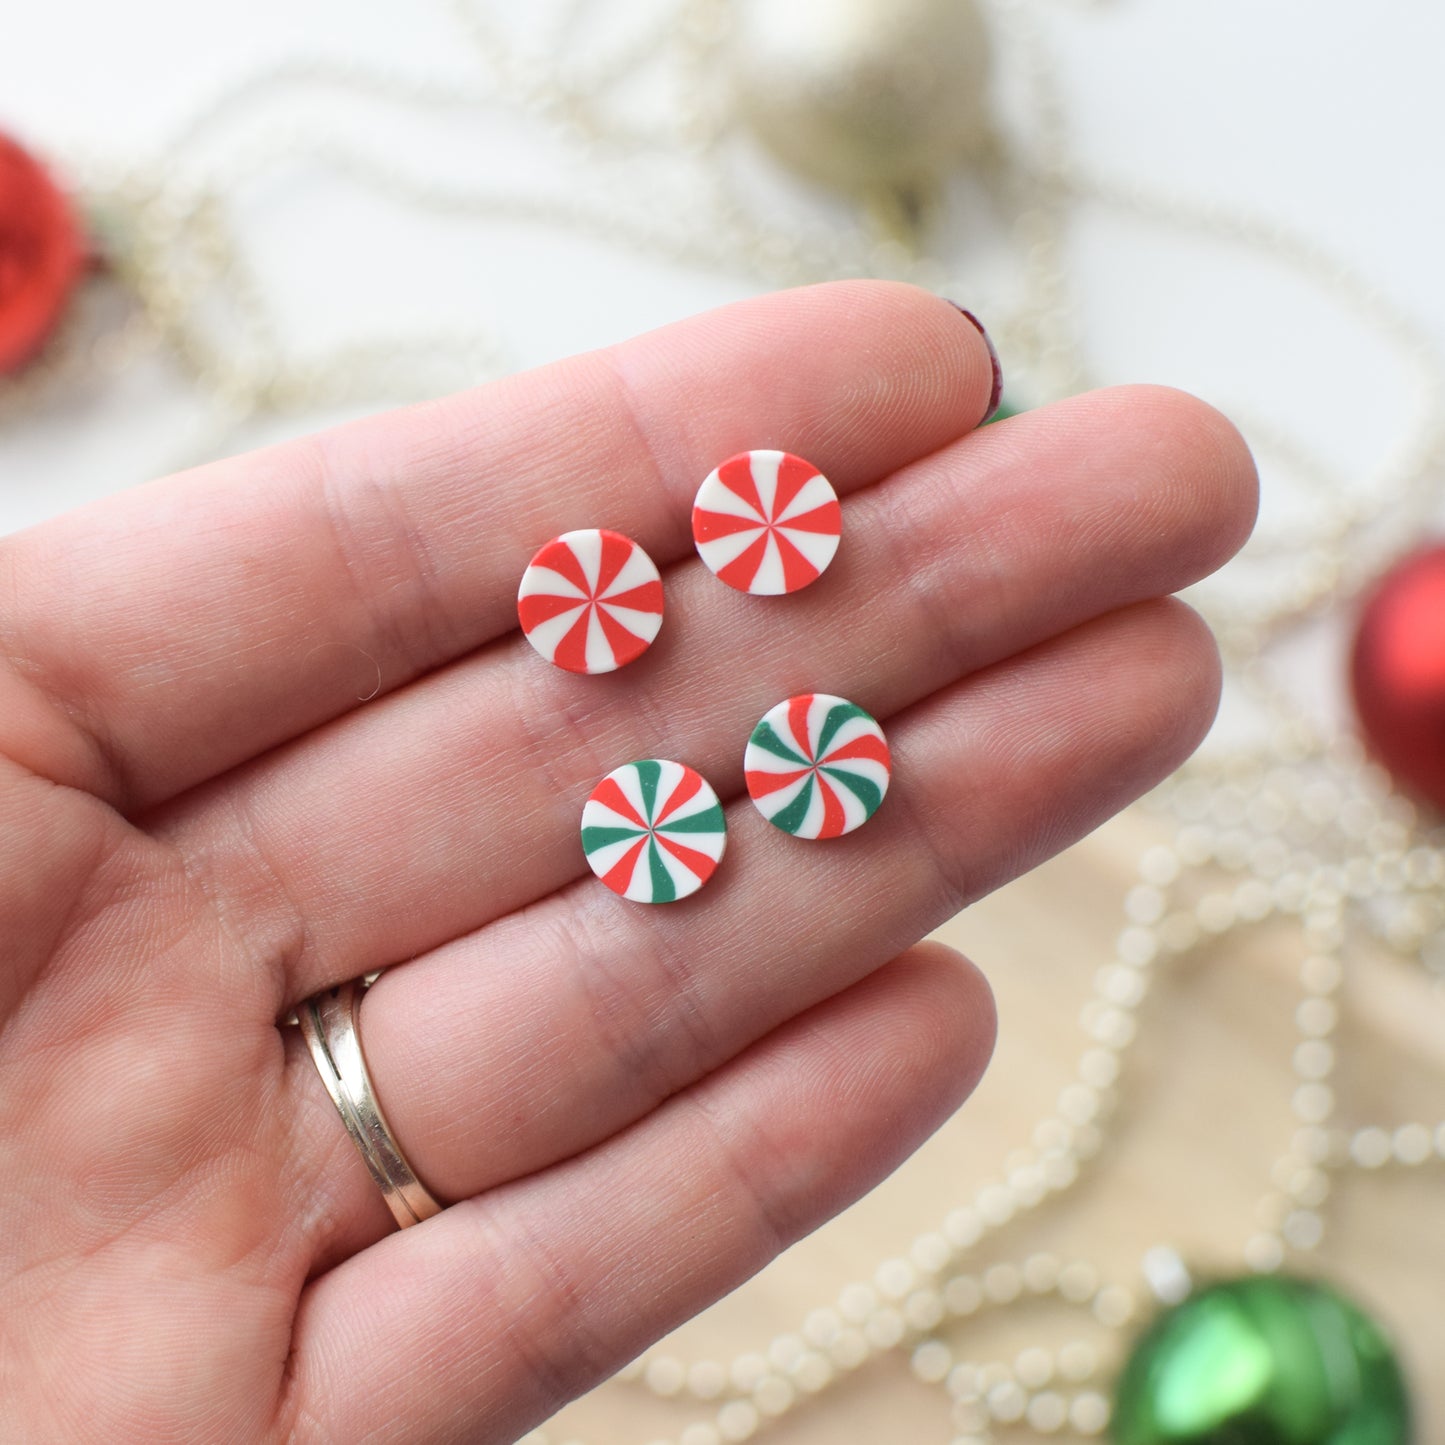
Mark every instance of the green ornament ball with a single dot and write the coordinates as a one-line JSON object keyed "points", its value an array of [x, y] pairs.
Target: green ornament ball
{"points": [[1262, 1361]]}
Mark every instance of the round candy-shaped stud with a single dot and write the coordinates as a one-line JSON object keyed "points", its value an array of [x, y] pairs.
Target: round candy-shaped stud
{"points": [[653, 831], [817, 766], [767, 522], [591, 601]]}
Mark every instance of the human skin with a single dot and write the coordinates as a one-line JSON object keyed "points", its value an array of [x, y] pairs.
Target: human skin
{"points": [[269, 725]]}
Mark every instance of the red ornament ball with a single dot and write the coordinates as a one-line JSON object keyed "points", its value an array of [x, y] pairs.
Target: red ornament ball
{"points": [[1397, 674], [42, 255]]}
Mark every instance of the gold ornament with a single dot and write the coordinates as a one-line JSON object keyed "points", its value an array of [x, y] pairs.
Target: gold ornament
{"points": [[878, 99]]}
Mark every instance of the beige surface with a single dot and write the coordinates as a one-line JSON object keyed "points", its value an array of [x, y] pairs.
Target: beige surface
{"points": [[1204, 1112]]}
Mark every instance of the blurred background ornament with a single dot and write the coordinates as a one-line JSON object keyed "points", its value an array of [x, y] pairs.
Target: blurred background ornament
{"points": [[42, 255], [880, 100], [1262, 1361], [1397, 674]]}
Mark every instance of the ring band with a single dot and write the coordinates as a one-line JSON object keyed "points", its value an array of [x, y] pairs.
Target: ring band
{"points": [[328, 1023]]}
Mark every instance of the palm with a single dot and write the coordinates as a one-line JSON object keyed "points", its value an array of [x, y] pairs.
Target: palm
{"points": [[628, 1110], [147, 1282]]}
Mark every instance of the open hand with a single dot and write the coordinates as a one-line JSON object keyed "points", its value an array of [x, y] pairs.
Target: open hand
{"points": [[269, 725]]}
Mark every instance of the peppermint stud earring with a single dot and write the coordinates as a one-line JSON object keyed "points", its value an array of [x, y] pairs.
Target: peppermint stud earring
{"points": [[653, 831], [817, 766], [766, 522], [591, 601]]}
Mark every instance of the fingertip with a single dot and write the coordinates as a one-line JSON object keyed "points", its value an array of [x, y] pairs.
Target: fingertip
{"points": [[909, 351], [952, 1015], [1168, 680], [995, 397], [1205, 462], [1192, 650]]}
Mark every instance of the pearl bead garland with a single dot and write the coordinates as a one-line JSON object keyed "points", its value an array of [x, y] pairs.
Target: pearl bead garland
{"points": [[1313, 838], [1276, 824], [1296, 826]]}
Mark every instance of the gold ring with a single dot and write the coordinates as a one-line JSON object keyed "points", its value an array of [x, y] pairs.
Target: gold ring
{"points": [[328, 1022]]}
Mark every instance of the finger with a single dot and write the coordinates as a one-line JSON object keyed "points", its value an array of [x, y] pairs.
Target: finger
{"points": [[480, 1323], [540, 1036], [169, 633], [457, 801], [52, 844]]}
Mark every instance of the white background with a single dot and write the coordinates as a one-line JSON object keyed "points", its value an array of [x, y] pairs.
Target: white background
{"points": [[1324, 115]]}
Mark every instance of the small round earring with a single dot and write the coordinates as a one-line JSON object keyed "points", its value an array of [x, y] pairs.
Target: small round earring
{"points": [[653, 831], [766, 522], [817, 766], [591, 601]]}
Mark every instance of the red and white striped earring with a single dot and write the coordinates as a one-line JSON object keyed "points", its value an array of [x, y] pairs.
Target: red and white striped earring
{"points": [[591, 601], [767, 522]]}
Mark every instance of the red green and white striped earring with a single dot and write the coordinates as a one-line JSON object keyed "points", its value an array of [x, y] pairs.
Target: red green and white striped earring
{"points": [[817, 766], [653, 831]]}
